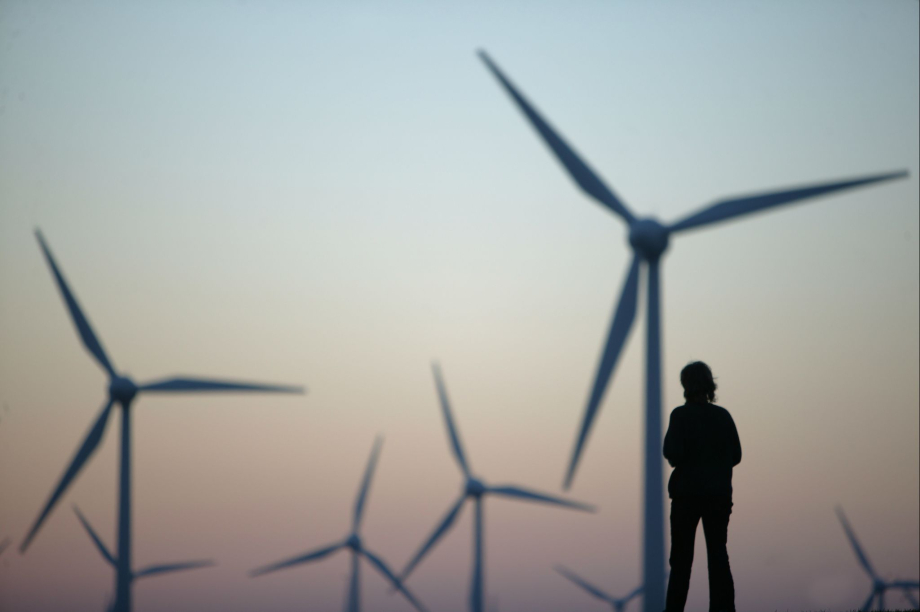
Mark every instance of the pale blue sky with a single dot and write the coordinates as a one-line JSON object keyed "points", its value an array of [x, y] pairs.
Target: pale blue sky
{"points": [[336, 194]]}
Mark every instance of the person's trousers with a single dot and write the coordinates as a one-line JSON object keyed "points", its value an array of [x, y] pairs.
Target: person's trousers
{"points": [[686, 512]]}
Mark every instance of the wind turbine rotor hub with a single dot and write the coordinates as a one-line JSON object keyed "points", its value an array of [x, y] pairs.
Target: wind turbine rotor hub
{"points": [[649, 238], [354, 542], [475, 488], [122, 390]]}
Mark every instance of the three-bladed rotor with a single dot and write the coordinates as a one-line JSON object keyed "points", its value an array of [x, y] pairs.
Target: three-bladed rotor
{"points": [[353, 543], [879, 585], [474, 489], [121, 390]]}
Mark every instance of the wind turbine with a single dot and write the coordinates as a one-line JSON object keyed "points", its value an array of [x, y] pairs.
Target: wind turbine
{"points": [[879, 586], [618, 603], [355, 544], [648, 238], [151, 570], [122, 390], [475, 489]]}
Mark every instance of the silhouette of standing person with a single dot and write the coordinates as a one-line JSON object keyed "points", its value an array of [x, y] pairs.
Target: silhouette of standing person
{"points": [[702, 446]]}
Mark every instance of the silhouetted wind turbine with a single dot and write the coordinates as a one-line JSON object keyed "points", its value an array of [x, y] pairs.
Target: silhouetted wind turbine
{"points": [[355, 544], [122, 390], [879, 586], [151, 570], [648, 239], [475, 489], [618, 603]]}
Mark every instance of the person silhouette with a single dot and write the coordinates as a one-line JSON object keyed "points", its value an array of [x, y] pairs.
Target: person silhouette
{"points": [[702, 446]]}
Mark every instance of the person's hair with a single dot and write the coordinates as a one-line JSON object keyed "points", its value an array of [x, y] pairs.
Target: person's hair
{"points": [[698, 383]]}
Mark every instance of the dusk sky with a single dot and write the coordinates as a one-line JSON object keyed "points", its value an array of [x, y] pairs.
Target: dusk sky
{"points": [[338, 194]]}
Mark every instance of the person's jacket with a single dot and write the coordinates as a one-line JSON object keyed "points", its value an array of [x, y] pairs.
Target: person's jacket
{"points": [[702, 446]]}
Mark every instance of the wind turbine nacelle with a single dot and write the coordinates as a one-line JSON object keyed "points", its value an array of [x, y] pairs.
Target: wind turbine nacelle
{"points": [[475, 488], [649, 238], [354, 542], [122, 390]]}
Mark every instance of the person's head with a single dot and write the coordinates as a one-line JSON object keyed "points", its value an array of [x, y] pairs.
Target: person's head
{"points": [[698, 383]]}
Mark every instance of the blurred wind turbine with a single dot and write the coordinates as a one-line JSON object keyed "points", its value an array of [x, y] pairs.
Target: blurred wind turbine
{"points": [[879, 586], [475, 489], [151, 570], [648, 239], [618, 603], [355, 544], [122, 390]]}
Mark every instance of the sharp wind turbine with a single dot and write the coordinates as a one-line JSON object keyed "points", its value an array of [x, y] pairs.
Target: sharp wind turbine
{"points": [[879, 586], [122, 390], [475, 489], [648, 239], [618, 603], [356, 545], [150, 570]]}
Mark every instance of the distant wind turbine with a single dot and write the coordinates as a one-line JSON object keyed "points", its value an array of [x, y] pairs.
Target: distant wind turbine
{"points": [[151, 570], [122, 390], [648, 239], [355, 544], [475, 489], [879, 586], [618, 603]]}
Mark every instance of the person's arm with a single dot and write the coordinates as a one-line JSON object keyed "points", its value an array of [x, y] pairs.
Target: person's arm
{"points": [[673, 442], [736, 444]]}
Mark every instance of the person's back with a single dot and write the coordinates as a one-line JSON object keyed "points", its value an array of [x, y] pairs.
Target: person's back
{"points": [[702, 446]]}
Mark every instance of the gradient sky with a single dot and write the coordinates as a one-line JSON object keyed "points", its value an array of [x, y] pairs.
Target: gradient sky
{"points": [[334, 194]]}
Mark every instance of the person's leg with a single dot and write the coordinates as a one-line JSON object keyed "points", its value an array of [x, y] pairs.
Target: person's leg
{"points": [[715, 526], [685, 516]]}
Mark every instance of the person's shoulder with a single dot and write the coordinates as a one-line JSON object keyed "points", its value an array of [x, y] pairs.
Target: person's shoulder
{"points": [[721, 410], [679, 410]]}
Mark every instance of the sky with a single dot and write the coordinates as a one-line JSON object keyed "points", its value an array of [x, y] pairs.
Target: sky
{"points": [[338, 194]]}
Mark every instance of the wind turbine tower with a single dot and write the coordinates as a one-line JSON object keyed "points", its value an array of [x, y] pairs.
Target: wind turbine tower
{"points": [[649, 239]]}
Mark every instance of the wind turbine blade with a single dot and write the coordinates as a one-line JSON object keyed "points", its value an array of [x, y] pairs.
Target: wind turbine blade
{"points": [[4, 545], [439, 531], [635, 593], [90, 443], [737, 206], [365, 485], [616, 338], [90, 341], [584, 584], [863, 559], [96, 540], [354, 585], [192, 385], [580, 172], [451, 428], [904, 584], [520, 493], [305, 558], [396, 582], [868, 605], [905, 590], [173, 567]]}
